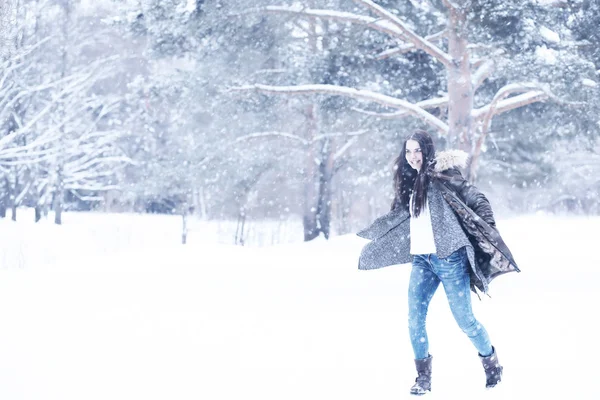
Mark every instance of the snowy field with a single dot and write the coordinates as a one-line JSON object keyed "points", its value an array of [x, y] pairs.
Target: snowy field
{"points": [[112, 307]]}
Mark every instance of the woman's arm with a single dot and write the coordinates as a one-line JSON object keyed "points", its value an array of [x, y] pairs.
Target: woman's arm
{"points": [[471, 196]]}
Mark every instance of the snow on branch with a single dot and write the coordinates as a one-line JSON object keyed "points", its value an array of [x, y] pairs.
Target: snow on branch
{"points": [[267, 134], [7, 102], [32, 159], [358, 94], [489, 111], [374, 23], [92, 187], [305, 142], [533, 92], [425, 104], [91, 198], [482, 73], [78, 82], [43, 146], [339, 134], [419, 41], [23, 193], [92, 172], [7, 20], [405, 48], [388, 23], [340, 152], [450, 5], [20, 54], [21, 156]]}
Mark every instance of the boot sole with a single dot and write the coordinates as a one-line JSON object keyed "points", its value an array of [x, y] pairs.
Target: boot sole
{"points": [[420, 393], [492, 386]]}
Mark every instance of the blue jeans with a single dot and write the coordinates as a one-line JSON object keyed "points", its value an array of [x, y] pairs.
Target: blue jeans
{"points": [[427, 272]]}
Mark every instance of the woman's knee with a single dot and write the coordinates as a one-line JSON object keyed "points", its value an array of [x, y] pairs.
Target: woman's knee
{"points": [[470, 326]]}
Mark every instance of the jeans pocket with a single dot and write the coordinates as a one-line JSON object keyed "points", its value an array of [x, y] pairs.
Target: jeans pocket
{"points": [[456, 258]]}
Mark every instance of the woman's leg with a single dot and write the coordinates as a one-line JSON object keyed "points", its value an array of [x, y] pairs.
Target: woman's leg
{"points": [[453, 272], [422, 285]]}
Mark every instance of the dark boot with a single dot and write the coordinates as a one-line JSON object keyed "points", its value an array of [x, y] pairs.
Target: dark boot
{"points": [[493, 369], [423, 382]]}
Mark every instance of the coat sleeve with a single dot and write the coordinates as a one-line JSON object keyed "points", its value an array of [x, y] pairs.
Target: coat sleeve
{"points": [[471, 196]]}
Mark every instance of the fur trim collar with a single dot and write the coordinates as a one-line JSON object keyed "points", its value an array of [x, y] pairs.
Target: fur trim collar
{"points": [[450, 159]]}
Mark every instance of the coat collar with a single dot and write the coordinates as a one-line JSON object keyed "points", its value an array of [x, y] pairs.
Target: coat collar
{"points": [[450, 159]]}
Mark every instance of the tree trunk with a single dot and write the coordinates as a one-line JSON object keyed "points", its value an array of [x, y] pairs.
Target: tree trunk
{"points": [[184, 231], [200, 203], [13, 195], [239, 230], [460, 89], [342, 212], [59, 194], [45, 207], [38, 209], [474, 160], [4, 198], [58, 205], [310, 221], [325, 178], [58, 208]]}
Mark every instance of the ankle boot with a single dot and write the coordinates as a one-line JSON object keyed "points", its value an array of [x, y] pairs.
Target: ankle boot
{"points": [[423, 382], [493, 369]]}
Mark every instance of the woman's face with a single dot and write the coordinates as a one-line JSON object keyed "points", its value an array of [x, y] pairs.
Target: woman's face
{"points": [[414, 157]]}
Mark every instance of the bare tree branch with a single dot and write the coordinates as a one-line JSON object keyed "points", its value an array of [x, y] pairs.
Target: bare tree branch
{"points": [[499, 105], [24, 192], [409, 34], [510, 104], [339, 134], [482, 73], [358, 94], [373, 23], [77, 82], [425, 104], [450, 5], [25, 153], [473, 47], [405, 48], [344, 148], [92, 187], [7, 20], [92, 198], [276, 134], [286, 135], [533, 92], [388, 24]]}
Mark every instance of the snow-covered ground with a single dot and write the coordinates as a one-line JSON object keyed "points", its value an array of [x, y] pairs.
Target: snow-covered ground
{"points": [[112, 307]]}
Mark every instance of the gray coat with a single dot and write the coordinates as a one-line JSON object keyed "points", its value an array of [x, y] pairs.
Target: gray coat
{"points": [[460, 216]]}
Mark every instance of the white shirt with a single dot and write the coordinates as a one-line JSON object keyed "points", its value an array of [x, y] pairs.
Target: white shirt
{"points": [[421, 231]]}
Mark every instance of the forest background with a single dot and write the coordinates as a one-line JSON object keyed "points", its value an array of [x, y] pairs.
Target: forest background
{"points": [[265, 110]]}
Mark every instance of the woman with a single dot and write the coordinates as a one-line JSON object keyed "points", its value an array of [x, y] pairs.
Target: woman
{"points": [[446, 228]]}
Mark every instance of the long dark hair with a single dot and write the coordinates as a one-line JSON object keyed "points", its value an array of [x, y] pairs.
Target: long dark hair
{"points": [[407, 180]]}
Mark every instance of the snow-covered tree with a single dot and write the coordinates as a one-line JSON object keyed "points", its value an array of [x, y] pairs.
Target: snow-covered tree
{"points": [[488, 57], [187, 128], [59, 139], [7, 22], [468, 62]]}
